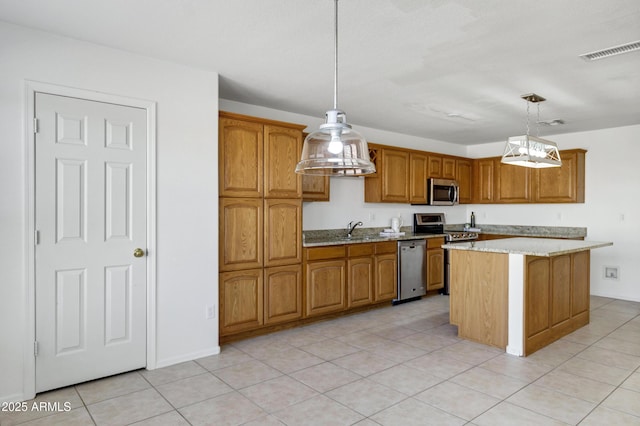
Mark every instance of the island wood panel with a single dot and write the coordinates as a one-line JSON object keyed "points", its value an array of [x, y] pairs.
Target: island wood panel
{"points": [[580, 296], [566, 279], [479, 296]]}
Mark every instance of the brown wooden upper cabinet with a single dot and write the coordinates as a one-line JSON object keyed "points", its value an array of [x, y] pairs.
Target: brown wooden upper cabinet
{"points": [[495, 182], [464, 177], [315, 188], [448, 168], [258, 157], [418, 173], [391, 182], [563, 184]]}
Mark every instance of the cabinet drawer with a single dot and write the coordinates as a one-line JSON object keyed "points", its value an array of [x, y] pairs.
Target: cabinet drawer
{"points": [[354, 250], [328, 252], [435, 242], [387, 247]]}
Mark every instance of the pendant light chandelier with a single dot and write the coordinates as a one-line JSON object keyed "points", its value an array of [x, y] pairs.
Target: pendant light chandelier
{"points": [[531, 151], [335, 149]]}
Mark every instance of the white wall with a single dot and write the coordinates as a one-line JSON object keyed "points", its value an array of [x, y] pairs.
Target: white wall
{"points": [[611, 211], [612, 178], [187, 195]]}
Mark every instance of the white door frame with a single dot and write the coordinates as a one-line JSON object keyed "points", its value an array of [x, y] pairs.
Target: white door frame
{"points": [[31, 88]]}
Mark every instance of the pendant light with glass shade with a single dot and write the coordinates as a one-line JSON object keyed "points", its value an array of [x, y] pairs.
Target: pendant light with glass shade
{"points": [[531, 151], [335, 149]]}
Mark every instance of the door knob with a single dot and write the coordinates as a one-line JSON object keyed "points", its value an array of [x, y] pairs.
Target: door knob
{"points": [[138, 252]]}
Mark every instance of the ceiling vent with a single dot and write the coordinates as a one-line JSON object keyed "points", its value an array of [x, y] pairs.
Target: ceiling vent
{"points": [[611, 51]]}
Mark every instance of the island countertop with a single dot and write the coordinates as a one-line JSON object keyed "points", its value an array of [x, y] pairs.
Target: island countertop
{"points": [[529, 246]]}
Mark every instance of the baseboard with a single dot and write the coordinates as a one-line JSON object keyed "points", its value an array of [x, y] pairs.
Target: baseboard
{"points": [[187, 357], [18, 397]]}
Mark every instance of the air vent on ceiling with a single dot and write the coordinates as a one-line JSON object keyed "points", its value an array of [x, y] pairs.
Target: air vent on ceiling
{"points": [[611, 51]]}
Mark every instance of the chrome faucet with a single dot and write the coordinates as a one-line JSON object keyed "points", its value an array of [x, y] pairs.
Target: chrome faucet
{"points": [[351, 227]]}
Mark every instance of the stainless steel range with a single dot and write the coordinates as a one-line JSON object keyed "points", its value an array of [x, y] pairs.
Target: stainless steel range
{"points": [[433, 223]]}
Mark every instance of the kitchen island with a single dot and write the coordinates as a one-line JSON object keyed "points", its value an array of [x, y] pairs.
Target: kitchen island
{"points": [[520, 294]]}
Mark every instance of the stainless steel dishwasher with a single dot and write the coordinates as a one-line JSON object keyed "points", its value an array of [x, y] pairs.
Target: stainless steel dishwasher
{"points": [[412, 270]]}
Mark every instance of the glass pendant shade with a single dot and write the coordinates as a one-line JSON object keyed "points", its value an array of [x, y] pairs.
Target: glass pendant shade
{"points": [[530, 151], [335, 150]]}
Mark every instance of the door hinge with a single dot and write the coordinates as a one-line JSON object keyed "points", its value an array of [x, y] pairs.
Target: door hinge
{"points": [[35, 348], [36, 128], [36, 237]]}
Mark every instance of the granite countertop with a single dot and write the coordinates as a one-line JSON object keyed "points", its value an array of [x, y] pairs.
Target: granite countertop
{"points": [[527, 230], [529, 246], [331, 237]]}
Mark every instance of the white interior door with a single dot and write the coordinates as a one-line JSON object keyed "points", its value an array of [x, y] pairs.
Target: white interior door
{"points": [[90, 217]]}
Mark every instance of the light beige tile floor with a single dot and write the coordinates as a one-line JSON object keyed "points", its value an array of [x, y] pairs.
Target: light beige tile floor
{"points": [[400, 365]]}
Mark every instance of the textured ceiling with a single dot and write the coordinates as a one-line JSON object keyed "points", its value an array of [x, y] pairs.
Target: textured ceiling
{"points": [[451, 70]]}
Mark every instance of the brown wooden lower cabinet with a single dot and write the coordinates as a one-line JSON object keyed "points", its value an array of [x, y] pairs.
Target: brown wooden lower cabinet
{"points": [[360, 281], [241, 301], [282, 294], [325, 286], [386, 287], [435, 264]]}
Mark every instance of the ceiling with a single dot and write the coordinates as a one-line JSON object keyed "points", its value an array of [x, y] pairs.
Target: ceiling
{"points": [[451, 70]]}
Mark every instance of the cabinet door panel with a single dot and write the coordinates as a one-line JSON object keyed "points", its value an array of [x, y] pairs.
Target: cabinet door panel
{"points": [[395, 176], [563, 184], [448, 168], [316, 188], [435, 166], [360, 281], [325, 287], [537, 296], [282, 294], [435, 269], [241, 158], [463, 176], [483, 180], [240, 233], [386, 278], [513, 184], [580, 298], [282, 153], [560, 289], [418, 169], [283, 232], [240, 301]]}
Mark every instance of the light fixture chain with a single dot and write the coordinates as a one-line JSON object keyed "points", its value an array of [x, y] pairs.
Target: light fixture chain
{"points": [[527, 117], [538, 121], [335, 60]]}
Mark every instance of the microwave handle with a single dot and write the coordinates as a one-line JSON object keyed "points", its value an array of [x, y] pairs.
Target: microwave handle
{"points": [[455, 194]]}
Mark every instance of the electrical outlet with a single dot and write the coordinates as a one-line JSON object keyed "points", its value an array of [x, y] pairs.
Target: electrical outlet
{"points": [[611, 272], [211, 312]]}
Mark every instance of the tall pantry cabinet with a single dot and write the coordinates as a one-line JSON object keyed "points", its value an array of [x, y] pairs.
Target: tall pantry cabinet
{"points": [[260, 252]]}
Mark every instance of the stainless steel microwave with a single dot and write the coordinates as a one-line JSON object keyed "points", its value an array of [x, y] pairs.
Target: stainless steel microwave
{"points": [[442, 192]]}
